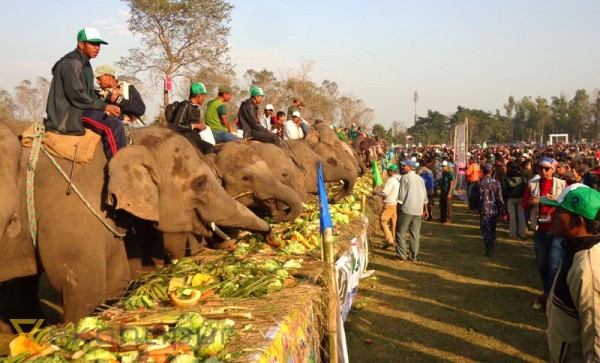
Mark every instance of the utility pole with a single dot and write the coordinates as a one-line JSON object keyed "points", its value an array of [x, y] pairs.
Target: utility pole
{"points": [[416, 99]]}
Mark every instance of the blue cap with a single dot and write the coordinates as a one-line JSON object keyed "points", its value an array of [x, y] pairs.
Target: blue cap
{"points": [[409, 162]]}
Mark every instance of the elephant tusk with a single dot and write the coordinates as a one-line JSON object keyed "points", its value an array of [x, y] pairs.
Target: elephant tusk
{"points": [[341, 181], [304, 205], [218, 231]]}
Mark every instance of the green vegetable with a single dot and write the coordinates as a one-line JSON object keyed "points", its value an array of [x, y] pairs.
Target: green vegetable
{"points": [[192, 321], [89, 323], [98, 355], [134, 335]]}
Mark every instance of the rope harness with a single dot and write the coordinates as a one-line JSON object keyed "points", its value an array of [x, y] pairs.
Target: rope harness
{"points": [[38, 135]]}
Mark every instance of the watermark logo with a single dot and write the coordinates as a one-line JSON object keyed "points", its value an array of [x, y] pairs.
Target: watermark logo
{"points": [[18, 323]]}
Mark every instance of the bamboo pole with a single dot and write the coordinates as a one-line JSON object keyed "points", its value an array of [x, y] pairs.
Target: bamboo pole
{"points": [[327, 243]]}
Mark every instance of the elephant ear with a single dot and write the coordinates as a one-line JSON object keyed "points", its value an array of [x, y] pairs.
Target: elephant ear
{"points": [[131, 182]]}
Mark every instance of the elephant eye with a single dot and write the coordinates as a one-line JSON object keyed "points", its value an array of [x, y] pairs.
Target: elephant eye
{"points": [[199, 183], [332, 162], [285, 175], [247, 178]]}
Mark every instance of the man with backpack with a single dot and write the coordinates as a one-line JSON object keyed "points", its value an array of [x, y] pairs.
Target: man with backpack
{"points": [[187, 118], [513, 188]]}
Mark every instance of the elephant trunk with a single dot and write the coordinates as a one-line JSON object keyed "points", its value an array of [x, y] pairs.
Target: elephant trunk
{"points": [[285, 205], [236, 216], [345, 190]]}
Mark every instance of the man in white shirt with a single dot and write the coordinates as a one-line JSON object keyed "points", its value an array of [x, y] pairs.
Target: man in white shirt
{"points": [[388, 215], [412, 200], [292, 129], [267, 116]]}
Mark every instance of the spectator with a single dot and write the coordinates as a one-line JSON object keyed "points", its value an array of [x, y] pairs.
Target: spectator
{"points": [[446, 188], [216, 116], [277, 124], [490, 207], [121, 94], [548, 251], [247, 117], [72, 102], [267, 117], [292, 129], [513, 188], [295, 107], [187, 118], [388, 215], [353, 134], [427, 176], [573, 325], [472, 175], [412, 209], [563, 172]]}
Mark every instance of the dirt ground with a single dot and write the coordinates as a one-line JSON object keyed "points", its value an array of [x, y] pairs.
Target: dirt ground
{"points": [[454, 304]]}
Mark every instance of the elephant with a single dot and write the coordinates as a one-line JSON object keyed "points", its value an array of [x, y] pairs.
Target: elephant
{"points": [[324, 141], [369, 150], [247, 178], [333, 170], [9, 217], [160, 178]]}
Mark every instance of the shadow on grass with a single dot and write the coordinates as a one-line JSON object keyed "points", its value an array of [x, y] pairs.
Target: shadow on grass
{"points": [[452, 305]]}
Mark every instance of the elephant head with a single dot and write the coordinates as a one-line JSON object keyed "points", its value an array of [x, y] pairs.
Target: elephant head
{"points": [[333, 169], [337, 163], [248, 178], [162, 178], [10, 148]]}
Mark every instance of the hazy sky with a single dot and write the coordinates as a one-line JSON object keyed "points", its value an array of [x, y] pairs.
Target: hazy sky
{"points": [[460, 52]]}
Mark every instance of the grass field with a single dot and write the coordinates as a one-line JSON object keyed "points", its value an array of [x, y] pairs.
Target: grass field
{"points": [[454, 304]]}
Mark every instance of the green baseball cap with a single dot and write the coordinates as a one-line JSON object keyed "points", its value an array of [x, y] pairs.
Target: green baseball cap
{"points": [[198, 89], [577, 198], [90, 35], [393, 167], [256, 91]]}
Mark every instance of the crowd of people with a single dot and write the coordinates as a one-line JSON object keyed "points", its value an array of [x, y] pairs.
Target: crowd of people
{"points": [[550, 190]]}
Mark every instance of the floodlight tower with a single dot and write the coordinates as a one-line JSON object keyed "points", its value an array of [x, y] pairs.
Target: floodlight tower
{"points": [[416, 99]]}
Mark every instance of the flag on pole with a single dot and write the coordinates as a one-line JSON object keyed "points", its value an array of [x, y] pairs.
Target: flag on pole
{"points": [[168, 84], [377, 181], [325, 217]]}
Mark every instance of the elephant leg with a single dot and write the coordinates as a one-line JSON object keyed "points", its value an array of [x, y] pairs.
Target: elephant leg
{"points": [[19, 300], [77, 262], [117, 270], [144, 247]]}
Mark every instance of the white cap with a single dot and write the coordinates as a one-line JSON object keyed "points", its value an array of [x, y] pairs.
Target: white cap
{"points": [[444, 163], [296, 114], [269, 107]]}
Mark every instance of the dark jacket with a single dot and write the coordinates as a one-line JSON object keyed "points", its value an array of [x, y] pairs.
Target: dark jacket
{"points": [[248, 119], [186, 114], [71, 92], [513, 185]]}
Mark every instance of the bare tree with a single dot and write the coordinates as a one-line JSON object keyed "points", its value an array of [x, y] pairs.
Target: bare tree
{"points": [[180, 38], [30, 99], [7, 106]]}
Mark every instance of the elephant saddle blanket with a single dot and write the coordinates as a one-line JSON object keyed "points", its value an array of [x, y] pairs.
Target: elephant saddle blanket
{"points": [[74, 148]]}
